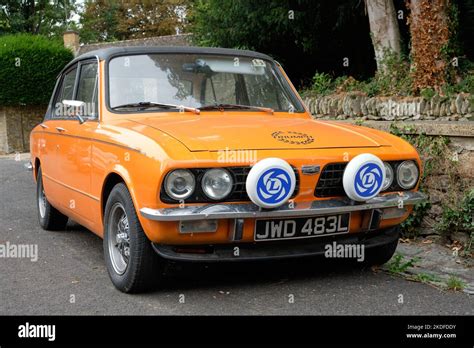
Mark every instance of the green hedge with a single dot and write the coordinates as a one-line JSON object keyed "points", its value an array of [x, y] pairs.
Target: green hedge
{"points": [[29, 65]]}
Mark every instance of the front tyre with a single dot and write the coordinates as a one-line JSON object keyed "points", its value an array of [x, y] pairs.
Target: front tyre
{"points": [[49, 217], [132, 264]]}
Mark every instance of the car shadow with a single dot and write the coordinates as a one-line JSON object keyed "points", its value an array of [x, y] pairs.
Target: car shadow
{"points": [[192, 276], [199, 275]]}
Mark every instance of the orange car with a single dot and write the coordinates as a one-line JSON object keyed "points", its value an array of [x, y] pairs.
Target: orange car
{"points": [[207, 154]]}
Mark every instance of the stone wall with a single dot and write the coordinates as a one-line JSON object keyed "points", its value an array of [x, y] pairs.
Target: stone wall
{"points": [[453, 173], [16, 124], [357, 105], [459, 134]]}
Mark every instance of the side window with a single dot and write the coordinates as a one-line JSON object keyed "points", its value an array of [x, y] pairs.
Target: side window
{"points": [[87, 89], [66, 92]]}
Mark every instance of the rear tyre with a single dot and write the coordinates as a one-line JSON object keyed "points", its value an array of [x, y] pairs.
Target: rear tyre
{"points": [[49, 217], [381, 254], [132, 264]]}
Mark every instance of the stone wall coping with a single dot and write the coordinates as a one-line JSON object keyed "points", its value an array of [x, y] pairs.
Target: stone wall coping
{"points": [[344, 106], [444, 128]]}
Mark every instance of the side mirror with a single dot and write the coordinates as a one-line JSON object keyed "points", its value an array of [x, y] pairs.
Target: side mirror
{"points": [[77, 106]]}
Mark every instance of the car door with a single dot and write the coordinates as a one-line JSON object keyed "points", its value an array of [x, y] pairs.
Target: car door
{"points": [[52, 126], [75, 145]]}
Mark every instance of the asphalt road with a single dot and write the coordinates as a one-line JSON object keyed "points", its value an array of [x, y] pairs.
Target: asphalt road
{"points": [[70, 267]]}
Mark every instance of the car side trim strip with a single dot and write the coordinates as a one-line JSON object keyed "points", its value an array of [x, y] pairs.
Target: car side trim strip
{"points": [[72, 188]]}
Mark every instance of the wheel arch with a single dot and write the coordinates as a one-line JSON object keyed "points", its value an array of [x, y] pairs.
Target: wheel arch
{"points": [[110, 182], [36, 166], [116, 176]]}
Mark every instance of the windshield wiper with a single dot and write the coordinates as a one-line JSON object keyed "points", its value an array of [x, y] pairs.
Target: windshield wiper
{"points": [[147, 105], [221, 106]]}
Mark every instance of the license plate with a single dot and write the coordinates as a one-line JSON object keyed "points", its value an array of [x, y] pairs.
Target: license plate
{"points": [[305, 227]]}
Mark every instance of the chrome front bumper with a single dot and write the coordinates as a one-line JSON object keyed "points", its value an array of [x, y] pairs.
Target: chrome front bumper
{"points": [[250, 210]]}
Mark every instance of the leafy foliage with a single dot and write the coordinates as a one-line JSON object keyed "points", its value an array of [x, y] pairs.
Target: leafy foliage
{"points": [[322, 83], [410, 227], [30, 64], [50, 18], [430, 34], [393, 80], [301, 34], [466, 26], [305, 36], [104, 20], [384, 84], [455, 284], [460, 217], [99, 21], [427, 278], [436, 157], [398, 264]]}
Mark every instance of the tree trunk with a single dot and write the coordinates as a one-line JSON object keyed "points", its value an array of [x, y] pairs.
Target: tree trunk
{"points": [[384, 29], [429, 31]]}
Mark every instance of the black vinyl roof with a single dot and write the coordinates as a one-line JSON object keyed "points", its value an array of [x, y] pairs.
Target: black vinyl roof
{"points": [[107, 53]]}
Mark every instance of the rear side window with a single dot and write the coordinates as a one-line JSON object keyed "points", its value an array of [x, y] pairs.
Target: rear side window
{"points": [[67, 88], [66, 92], [80, 83], [87, 88]]}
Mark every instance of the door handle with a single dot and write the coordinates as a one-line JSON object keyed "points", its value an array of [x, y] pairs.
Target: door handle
{"points": [[44, 126], [60, 129]]}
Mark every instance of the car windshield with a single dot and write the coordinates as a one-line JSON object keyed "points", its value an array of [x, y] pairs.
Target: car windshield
{"points": [[213, 82]]}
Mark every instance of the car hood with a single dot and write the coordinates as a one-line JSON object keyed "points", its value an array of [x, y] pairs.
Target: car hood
{"points": [[252, 132]]}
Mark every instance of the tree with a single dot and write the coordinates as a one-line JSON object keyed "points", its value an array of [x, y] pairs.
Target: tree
{"points": [[429, 30], [99, 21], [36, 17], [105, 20], [148, 18], [303, 35], [384, 29]]}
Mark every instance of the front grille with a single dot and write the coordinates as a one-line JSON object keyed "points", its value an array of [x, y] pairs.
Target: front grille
{"points": [[238, 194], [330, 181]]}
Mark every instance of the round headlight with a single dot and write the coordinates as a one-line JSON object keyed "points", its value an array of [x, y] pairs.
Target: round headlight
{"points": [[407, 174], [217, 183], [388, 176], [180, 184]]}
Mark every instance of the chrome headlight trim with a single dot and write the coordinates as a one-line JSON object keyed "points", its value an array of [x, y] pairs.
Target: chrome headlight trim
{"points": [[223, 177], [411, 168], [187, 179]]}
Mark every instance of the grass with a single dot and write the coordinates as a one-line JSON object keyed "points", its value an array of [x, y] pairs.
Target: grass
{"points": [[455, 284], [427, 278], [398, 264]]}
